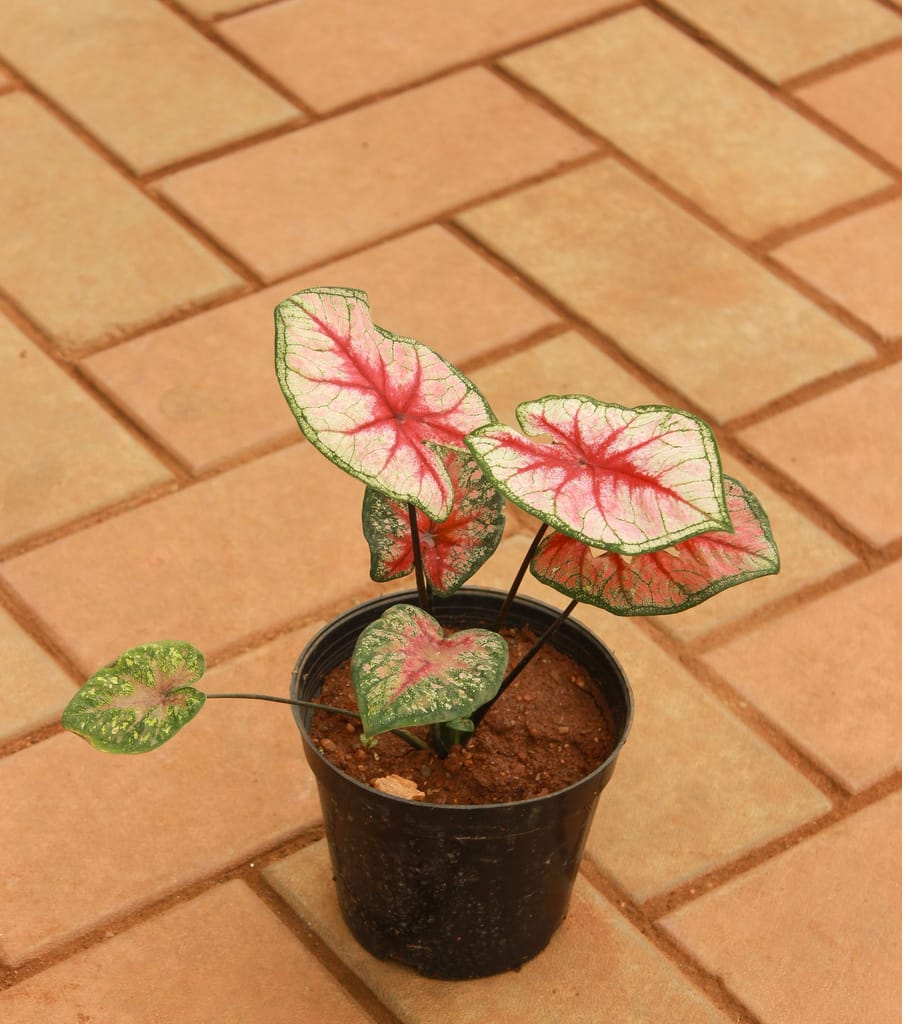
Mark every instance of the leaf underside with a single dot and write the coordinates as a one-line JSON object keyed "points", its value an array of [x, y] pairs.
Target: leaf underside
{"points": [[628, 480], [141, 700], [372, 402], [664, 581], [452, 549], [406, 672]]}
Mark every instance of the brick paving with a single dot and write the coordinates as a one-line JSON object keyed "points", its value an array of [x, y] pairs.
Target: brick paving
{"points": [[687, 201]]}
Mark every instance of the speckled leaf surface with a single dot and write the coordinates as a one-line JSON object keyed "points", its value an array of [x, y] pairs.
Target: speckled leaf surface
{"points": [[669, 580], [406, 672], [141, 700], [628, 480], [372, 402], [452, 549]]}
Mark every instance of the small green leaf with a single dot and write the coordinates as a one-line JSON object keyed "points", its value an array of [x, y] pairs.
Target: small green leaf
{"points": [[461, 725], [406, 672], [139, 701]]}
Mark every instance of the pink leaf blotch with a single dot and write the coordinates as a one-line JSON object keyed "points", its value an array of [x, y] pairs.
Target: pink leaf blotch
{"points": [[406, 672], [628, 480], [664, 581], [372, 402], [452, 549]]}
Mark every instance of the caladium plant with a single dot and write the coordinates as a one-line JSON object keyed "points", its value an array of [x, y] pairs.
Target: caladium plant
{"points": [[635, 516]]}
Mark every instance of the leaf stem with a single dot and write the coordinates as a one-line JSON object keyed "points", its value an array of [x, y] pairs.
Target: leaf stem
{"points": [[438, 740], [422, 588], [518, 579], [409, 737], [478, 715]]}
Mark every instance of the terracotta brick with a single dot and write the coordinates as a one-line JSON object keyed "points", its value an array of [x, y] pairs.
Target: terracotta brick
{"points": [[566, 982], [565, 364], [36, 688], [83, 251], [243, 552], [782, 40], [205, 387], [824, 673], [841, 447], [730, 147], [138, 77], [864, 101], [813, 934], [77, 458], [211, 8], [677, 298], [351, 180], [386, 44], [856, 261], [694, 787], [164, 969], [115, 833]]}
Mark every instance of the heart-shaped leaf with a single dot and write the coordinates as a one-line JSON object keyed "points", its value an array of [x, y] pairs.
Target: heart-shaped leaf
{"points": [[372, 402], [406, 672], [628, 480], [452, 549], [664, 581], [139, 701]]}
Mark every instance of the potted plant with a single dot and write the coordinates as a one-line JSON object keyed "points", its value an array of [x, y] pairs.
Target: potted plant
{"points": [[446, 856]]}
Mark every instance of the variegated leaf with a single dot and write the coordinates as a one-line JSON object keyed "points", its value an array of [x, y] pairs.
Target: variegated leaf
{"points": [[628, 480], [374, 403], [139, 701], [669, 580], [452, 549], [406, 672]]}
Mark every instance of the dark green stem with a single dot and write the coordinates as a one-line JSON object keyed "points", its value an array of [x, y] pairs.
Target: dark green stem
{"points": [[422, 588], [518, 579], [409, 737], [478, 715], [438, 740]]}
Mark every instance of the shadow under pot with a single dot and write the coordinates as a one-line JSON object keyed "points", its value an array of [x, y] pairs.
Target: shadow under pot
{"points": [[457, 891]]}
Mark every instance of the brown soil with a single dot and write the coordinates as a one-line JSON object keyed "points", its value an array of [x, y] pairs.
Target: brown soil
{"points": [[547, 731]]}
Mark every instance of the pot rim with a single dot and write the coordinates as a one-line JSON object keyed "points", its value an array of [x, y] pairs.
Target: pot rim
{"points": [[400, 597]]}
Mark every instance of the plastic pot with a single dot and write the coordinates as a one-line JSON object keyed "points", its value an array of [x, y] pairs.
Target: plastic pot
{"points": [[456, 891]]}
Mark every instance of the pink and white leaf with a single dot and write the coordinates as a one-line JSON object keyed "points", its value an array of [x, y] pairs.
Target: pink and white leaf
{"points": [[629, 480], [374, 403], [452, 549], [669, 580], [406, 672]]}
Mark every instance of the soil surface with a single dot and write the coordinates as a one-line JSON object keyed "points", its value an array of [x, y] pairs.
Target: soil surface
{"points": [[548, 730]]}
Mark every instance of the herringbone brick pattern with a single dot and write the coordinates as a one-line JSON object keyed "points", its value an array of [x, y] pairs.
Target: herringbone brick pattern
{"points": [[690, 201]]}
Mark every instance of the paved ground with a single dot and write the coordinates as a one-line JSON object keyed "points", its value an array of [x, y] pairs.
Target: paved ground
{"points": [[694, 201]]}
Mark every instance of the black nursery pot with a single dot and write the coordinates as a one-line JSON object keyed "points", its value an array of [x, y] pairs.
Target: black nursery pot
{"points": [[456, 891]]}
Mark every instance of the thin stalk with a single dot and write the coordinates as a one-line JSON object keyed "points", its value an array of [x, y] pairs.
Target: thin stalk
{"points": [[438, 740], [408, 737], [422, 588], [518, 579], [478, 715]]}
